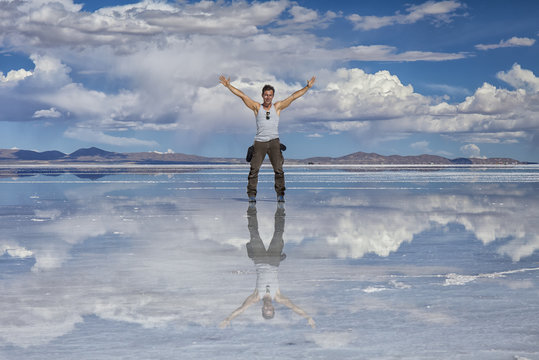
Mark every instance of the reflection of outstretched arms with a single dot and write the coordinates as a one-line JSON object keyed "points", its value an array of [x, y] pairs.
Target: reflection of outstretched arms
{"points": [[281, 299], [251, 299]]}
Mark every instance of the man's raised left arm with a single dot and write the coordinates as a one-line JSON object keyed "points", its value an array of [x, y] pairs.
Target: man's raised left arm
{"points": [[280, 105]]}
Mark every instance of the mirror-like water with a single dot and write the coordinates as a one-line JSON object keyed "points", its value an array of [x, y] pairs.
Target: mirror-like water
{"points": [[359, 263]]}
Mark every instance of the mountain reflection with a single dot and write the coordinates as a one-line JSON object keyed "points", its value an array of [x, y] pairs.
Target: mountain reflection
{"points": [[267, 263]]}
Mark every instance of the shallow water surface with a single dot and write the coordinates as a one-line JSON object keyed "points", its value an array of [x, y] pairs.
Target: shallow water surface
{"points": [[368, 263]]}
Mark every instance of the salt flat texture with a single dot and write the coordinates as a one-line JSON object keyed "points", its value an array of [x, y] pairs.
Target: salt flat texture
{"points": [[407, 264]]}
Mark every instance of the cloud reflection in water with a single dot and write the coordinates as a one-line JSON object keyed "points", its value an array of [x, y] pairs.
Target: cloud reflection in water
{"points": [[150, 255]]}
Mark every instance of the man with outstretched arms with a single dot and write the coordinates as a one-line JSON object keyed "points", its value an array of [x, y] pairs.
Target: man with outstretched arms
{"points": [[267, 133]]}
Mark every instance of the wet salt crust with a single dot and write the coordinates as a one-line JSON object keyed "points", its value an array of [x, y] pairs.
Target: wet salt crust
{"points": [[407, 263]]}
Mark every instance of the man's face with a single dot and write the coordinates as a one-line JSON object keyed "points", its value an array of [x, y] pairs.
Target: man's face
{"points": [[268, 311], [267, 96]]}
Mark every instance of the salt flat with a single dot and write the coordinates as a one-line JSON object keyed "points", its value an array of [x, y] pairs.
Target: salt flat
{"points": [[407, 263]]}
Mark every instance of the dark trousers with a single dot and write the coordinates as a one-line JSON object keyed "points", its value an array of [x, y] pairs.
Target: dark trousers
{"points": [[273, 149], [255, 247]]}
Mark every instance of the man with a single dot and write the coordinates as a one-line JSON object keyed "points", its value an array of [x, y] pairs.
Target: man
{"points": [[266, 141], [267, 263]]}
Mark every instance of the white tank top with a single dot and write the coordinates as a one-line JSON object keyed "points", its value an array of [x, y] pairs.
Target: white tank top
{"points": [[267, 280], [267, 124]]}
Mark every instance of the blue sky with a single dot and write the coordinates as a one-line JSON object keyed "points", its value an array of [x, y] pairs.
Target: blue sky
{"points": [[452, 78]]}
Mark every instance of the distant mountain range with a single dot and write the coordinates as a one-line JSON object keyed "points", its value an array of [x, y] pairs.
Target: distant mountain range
{"points": [[96, 155]]}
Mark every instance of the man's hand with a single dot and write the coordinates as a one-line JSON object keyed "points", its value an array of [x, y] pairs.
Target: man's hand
{"points": [[310, 83], [223, 80], [224, 323]]}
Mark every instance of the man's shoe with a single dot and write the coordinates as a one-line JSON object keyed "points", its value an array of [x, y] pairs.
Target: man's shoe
{"points": [[280, 198], [252, 199]]}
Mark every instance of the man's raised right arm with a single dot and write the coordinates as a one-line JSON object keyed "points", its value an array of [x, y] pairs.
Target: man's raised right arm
{"points": [[251, 104]]}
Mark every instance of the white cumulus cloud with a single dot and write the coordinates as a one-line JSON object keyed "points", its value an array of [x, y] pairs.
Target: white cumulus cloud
{"points": [[471, 150], [50, 113], [14, 76], [151, 59], [15, 251], [520, 78]]}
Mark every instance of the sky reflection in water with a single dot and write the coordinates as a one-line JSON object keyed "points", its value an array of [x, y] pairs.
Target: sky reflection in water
{"points": [[387, 264]]}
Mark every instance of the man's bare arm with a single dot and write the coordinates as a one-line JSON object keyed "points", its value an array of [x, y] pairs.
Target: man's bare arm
{"points": [[280, 105], [251, 104], [281, 299], [251, 299]]}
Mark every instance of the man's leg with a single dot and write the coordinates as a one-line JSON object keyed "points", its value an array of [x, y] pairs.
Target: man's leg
{"points": [[275, 248], [255, 247], [256, 162], [277, 160]]}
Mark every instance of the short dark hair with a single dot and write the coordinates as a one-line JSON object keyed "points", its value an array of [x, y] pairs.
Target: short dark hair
{"points": [[268, 314], [268, 87]]}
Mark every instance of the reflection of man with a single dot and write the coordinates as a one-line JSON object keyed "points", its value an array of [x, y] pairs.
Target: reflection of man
{"points": [[267, 133], [267, 263]]}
